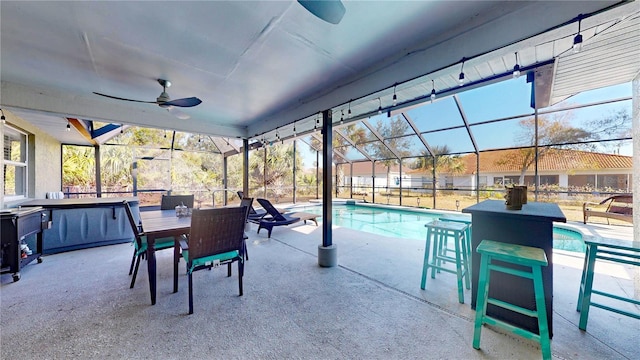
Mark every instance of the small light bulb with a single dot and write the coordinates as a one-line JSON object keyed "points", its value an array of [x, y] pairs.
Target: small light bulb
{"points": [[516, 71], [461, 79], [68, 127], [577, 44], [395, 99], [433, 94]]}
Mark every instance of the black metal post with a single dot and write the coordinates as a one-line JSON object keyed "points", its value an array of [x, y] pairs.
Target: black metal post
{"points": [[96, 155], [245, 167], [327, 155]]}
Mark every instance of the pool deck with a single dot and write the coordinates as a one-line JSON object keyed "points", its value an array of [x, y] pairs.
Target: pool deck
{"points": [[78, 305]]}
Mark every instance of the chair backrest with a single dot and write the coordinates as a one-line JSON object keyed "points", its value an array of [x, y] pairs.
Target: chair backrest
{"points": [[271, 210], [216, 231], [247, 203], [169, 202], [136, 226], [621, 204]]}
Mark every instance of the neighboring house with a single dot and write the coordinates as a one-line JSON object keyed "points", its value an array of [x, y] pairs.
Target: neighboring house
{"points": [[570, 170], [365, 176]]}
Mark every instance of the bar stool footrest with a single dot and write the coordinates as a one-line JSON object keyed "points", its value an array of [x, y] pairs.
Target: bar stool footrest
{"points": [[515, 308]]}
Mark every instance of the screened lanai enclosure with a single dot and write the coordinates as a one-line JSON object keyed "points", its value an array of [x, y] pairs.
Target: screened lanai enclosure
{"points": [[444, 153]]}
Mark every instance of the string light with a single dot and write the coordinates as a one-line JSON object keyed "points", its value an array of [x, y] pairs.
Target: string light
{"points": [[433, 90], [380, 106], [341, 116], [461, 76], [349, 112], [395, 98], [577, 40], [294, 129], [68, 126], [4, 119], [516, 68], [121, 128]]}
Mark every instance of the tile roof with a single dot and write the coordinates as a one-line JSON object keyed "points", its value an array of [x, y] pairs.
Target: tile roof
{"points": [[552, 160]]}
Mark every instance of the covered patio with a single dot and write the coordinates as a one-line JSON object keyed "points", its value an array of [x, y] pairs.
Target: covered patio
{"points": [[79, 305], [81, 73]]}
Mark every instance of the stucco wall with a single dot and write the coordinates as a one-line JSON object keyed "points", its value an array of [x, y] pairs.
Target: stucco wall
{"points": [[45, 152]]}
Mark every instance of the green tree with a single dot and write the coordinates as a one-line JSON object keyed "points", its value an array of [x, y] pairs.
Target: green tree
{"points": [[443, 162], [554, 132]]}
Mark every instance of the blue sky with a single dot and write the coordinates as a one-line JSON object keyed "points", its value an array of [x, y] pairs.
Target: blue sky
{"points": [[500, 100]]}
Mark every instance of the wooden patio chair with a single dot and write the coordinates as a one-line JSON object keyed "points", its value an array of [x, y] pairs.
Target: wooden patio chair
{"points": [[216, 238], [619, 207]]}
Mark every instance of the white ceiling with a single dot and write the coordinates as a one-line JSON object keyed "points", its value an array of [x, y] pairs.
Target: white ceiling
{"points": [[260, 65]]}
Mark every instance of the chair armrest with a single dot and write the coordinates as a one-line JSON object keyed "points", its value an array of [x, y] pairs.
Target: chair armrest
{"points": [[183, 243]]}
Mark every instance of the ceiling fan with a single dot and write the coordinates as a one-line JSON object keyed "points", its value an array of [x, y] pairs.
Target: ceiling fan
{"points": [[164, 101], [330, 11]]}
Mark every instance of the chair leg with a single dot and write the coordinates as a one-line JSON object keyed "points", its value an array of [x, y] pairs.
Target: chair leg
{"points": [[229, 270], [545, 344], [133, 260], [481, 300], [190, 293], [246, 252], [135, 271], [240, 274]]}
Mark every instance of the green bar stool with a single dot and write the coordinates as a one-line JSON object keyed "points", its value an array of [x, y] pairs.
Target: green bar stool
{"points": [[466, 221], [614, 250], [440, 232], [527, 256]]}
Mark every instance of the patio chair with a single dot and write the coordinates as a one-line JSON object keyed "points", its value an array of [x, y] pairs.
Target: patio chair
{"points": [[216, 238], [276, 218], [140, 243], [246, 202], [619, 207], [254, 215], [169, 202]]}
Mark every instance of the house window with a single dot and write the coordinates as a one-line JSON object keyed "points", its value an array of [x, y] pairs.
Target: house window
{"points": [[14, 164]]}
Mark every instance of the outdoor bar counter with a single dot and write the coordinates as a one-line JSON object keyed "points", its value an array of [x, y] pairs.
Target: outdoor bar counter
{"points": [[86, 222], [531, 226]]}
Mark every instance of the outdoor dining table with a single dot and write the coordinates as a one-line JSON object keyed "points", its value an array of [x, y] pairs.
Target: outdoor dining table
{"points": [[160, 224]]}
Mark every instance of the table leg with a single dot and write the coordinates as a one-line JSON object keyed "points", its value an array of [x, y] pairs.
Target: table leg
{"points": [[151, 268], [176, 259]]}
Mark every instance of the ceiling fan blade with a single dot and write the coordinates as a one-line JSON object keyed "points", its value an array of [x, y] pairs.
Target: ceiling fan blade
{"points": [[330, 11], [186, 102], [177, 113], [119, 98]]}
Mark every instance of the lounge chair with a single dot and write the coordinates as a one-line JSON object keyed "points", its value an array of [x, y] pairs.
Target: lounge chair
{"points": [[254, 215], [276, 218], [619, 207]]}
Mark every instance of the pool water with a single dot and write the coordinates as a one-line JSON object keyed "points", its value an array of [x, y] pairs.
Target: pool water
{"points": [[408, 224]]}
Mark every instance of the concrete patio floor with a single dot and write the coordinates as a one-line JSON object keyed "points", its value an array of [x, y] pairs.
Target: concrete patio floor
{"points": [[79, 305]]}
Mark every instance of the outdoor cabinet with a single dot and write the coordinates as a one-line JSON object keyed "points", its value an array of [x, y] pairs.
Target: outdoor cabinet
{"points": [[21, 226], [86, 222]]}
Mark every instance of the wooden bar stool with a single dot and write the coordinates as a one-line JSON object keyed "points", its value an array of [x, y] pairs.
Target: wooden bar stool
{"points": [[466, 221], [614, 250], [440, 232], [521, 255]]}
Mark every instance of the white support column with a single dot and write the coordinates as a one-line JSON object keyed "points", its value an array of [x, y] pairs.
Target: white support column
{"points": [[635, 103]]}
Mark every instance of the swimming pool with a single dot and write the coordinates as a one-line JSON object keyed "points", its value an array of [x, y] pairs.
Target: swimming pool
{"points": [[409, 224]]}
